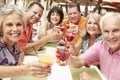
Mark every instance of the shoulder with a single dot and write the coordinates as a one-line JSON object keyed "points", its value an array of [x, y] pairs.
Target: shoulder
{"points": [[99, 38], [100, 44], [2, 44], [82, 18], [2, 47], [45, 24], [82, 21], [86, 39]]}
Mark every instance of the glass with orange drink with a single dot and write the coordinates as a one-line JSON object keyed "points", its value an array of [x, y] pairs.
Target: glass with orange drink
{"points": [[46, 58]]}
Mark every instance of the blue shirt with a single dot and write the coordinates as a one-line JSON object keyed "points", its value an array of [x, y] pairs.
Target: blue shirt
{"points": [[86, 41]]}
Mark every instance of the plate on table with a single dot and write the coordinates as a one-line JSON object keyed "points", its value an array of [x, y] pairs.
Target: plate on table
{"points": [[99, 72], [92, 73]]}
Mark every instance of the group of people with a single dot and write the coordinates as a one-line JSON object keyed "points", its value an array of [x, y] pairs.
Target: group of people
{"points": [[105, 51], [97, 39], [16, 41]]}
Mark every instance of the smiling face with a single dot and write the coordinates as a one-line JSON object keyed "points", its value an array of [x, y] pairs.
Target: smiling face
{"points": [[92, 26], [73, 14], [111, 32], [34, 14], [55, 18], [12, 28]]}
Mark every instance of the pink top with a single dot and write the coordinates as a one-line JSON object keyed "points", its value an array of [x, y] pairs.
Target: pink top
{"points": [[109, 62]]}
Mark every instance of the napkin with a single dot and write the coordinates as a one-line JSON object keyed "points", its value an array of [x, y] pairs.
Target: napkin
{"points": [[60, 72]]}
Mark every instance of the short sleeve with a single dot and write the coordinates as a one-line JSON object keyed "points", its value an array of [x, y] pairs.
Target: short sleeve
{"points": [[91, 55], [23, 40]]}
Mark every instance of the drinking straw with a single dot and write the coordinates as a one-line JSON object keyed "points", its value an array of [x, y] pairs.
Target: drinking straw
{"points": [[35, 50]]}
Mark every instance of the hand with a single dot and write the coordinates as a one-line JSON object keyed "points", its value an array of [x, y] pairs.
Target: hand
{"points": [[56, 28], [75, 61], [39, 70], [62, 42], [59, 28], [82, 34], [73, 29], [72, 49], [55, 35]]}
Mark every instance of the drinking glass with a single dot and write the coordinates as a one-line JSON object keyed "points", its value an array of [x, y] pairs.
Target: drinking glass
{"points": [[46, 58], [59, 28], [70, 32], [62, 55], [69, 37], [62, 28]]}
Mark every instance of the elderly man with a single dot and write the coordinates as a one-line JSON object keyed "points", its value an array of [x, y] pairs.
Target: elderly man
{"points": [[107, 52]]}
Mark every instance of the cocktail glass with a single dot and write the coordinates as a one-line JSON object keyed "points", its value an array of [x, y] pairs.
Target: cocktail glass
{"points": [[69, 37], [62, 28], [62, 55]]}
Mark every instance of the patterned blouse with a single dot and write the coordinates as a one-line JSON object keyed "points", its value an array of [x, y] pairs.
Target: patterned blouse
{"points": [[7, 57], [85, 43]]}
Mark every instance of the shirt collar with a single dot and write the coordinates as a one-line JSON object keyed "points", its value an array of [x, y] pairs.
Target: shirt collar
{"points": [[116, 52]]}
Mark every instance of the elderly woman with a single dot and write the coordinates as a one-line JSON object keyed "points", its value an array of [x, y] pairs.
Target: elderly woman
{"points": [[12, 25]]}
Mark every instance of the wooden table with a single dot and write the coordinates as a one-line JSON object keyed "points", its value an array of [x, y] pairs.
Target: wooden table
{"points": [[74, 71]]}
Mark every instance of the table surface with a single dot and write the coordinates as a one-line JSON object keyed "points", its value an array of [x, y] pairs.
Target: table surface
{"points": [[74, 71]]}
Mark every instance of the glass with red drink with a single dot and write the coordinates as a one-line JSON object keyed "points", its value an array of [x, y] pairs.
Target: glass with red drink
{"points": [[62, 55], [62, 29], [69, 37]]}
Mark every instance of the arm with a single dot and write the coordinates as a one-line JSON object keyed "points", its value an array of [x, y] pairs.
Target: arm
{"points": [[21, 58], [78, 46], [75, 61], [34, 69], [41, 42], [7, 71], [86, 59], [43, 30]]}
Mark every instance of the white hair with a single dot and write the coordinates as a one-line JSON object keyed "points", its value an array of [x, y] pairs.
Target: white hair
{"points": [[7, 10], [108, 15]]}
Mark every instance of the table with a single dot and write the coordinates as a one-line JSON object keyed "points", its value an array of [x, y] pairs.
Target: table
{"points": [[74, 71]]}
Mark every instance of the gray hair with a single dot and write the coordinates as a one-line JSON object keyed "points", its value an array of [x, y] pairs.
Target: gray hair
{"points": [[7, 10], [107, 15]]}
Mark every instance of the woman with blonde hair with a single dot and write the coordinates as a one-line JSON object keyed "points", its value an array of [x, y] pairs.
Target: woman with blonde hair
{"points": [[93, 33]]}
